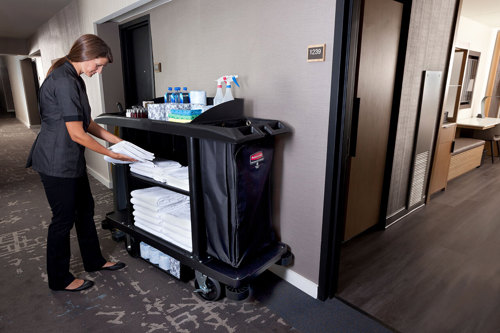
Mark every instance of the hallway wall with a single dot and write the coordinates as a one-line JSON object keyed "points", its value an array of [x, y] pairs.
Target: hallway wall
{"points": [[13, 64]]}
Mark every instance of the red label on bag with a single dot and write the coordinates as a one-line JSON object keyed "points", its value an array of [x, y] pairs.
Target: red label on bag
{"points": [[256, 159], [257, 156]]}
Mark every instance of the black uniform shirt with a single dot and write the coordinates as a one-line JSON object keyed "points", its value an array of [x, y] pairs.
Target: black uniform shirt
{"points": [[63, 98]]}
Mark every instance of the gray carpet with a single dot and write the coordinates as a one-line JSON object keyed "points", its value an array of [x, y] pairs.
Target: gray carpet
{"points": [[139, 298]]}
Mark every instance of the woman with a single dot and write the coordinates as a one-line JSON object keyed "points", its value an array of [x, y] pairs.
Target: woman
{"points": [[58, 156]]}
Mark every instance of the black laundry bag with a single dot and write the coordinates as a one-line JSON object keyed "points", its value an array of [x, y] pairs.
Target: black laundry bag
{"points": [[236, 186]]}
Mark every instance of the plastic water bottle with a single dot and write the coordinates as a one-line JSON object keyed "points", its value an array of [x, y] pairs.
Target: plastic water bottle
{"points": [[184, 99], [168, 95], [175, 96], [184, 96]]}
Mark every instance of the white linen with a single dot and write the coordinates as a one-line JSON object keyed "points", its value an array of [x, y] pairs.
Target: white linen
{"points": [[158, 196], [127, 148], [186, 245]]}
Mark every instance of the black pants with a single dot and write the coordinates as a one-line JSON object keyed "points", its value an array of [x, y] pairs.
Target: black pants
{"points": [[71, 202]]}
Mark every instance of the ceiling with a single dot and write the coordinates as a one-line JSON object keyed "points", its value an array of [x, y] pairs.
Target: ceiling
{"points": [[486, 12], [21, 18]]}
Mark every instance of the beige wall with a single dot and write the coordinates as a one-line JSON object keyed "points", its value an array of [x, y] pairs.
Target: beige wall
{"points": [[197, 41], [477, 37], [265, 43], [17, 86]]}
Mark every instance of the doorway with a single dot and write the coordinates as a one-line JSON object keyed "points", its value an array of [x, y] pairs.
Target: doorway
{"points": [[343, 132], [380, 29], [137, 60]]}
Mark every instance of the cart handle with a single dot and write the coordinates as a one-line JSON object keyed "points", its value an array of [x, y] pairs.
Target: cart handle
{"points": [[276, 128]]}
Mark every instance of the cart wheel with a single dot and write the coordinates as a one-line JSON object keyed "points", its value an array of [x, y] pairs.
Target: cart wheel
{"points": [[286, 259], [237, 294], [132, 246], [207, 287]]}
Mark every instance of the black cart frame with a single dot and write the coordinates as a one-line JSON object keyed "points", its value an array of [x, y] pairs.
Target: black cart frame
{"points": [[226, 123]]}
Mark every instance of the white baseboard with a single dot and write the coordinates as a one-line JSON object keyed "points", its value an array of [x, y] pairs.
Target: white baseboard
{"points": [[27, 124], [296, 280], [105, 181]]}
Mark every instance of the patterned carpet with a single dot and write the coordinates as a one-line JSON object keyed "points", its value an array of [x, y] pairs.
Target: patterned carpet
{"points": [[139, 298]]}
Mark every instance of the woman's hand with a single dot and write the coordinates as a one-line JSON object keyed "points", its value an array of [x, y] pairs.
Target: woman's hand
{"points": [[121, 157]]}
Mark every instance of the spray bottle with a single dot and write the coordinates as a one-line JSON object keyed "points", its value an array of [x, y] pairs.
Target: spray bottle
{"points": [[218, 96], [229, 95]]}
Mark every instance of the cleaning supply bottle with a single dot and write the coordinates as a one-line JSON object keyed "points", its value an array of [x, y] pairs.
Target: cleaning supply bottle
{"points": [[219, 96], [229, 95]]}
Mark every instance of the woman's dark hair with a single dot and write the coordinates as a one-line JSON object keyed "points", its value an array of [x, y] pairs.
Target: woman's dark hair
{"points": [[87, 47]]}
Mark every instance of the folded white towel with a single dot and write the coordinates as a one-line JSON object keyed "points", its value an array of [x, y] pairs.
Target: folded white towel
{"points": [[180, 173], [141, 172], [186, 245], [146, 217], [112, 160], [158, 228], [157, 196], [171, 220], [178, 177], [181, 210], [179, 217], [131, 150], [158, 169], [181, 236]]}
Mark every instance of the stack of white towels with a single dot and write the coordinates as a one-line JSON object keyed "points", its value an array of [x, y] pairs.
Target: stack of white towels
{"points": [[163, 213], [165, 171], [129, 149]]}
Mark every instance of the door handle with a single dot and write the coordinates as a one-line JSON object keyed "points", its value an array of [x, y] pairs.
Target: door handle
{"points": [[354, 127]]}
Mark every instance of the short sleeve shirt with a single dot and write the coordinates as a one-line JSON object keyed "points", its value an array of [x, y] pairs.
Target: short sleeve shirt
{"points": [[63, 98]]}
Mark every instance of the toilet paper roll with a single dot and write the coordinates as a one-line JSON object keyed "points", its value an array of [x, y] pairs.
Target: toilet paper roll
{"points": [[144, 249], [154, 256], [198, 97], [164, 262]]}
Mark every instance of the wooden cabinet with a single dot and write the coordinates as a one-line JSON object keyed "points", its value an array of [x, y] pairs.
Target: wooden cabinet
{"points": [[441, 166]]}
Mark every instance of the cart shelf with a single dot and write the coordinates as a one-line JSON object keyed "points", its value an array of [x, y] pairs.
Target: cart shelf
{"points": [[231, 276]]}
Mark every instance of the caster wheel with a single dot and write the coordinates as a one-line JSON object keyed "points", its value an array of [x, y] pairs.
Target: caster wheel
{"points": [[237, 294], [117, 235], [207, 288], [286, 259], [132, 246]]}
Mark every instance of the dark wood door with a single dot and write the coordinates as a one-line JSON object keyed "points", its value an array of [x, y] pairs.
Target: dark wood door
{"points": [[378, 55], [137, 58]]}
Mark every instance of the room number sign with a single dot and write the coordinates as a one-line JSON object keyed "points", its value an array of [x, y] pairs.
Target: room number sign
{"points": [[316, 52]]}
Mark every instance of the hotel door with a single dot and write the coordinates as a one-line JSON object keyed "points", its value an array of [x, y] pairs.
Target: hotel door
{"points": [[376, 73]]}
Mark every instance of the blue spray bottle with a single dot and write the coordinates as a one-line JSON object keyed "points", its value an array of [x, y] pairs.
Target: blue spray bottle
{"points": [[229, 95]]}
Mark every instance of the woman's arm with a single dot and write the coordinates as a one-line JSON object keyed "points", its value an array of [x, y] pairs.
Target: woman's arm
{"points": [[98, 131], [77, 134]]}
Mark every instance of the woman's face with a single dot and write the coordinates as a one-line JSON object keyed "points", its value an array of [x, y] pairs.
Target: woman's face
{"points": [[90, 67]]}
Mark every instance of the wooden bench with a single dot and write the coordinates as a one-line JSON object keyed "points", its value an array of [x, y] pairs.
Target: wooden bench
{"points": [[466, 156]]}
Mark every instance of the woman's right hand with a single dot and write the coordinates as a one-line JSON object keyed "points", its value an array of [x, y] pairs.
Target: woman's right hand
{"points": [[122, 157]]}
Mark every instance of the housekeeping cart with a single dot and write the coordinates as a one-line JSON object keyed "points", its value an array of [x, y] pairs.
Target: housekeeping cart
{"points": [[229, 159]]}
